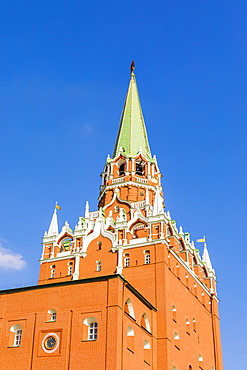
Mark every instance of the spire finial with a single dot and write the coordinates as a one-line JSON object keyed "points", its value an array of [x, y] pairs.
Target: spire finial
{"points": [[132, 67]]}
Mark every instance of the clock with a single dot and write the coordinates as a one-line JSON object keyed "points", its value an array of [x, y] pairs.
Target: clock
{"points": [[50, 342]]}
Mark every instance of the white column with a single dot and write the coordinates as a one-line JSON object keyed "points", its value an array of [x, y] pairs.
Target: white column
{"points": [[77, 265], [120, 261]]}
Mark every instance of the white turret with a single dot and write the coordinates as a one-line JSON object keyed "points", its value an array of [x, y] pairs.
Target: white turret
{"points": [[206, 258], [53, 229]]}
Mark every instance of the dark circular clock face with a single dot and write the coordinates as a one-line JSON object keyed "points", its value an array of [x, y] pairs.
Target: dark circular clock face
{"points": [[50, 342]]}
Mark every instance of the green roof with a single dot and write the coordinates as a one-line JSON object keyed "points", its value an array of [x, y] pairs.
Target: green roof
{"points": [[132, 134]]}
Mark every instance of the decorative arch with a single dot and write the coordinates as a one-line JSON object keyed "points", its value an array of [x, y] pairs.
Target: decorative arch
{"points": [[128, 308], [145, 322]]}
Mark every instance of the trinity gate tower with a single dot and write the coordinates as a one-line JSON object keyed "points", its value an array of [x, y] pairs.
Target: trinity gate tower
{"points": [[126, 289]]}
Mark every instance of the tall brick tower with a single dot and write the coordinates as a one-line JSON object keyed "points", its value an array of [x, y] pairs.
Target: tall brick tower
{"points": [[126, 289]]}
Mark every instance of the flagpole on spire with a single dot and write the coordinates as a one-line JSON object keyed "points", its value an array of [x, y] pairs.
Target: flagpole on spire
{"points": [[132, 67]]}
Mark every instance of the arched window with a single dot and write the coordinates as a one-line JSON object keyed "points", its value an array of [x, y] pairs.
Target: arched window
{"points": [[146, 347], [195, 290], [176, 340], [174, 313], [177, 270], [187, 326], [121, 169], [53, 271], [194, 324], [130, 338], [200, 359], [65, 244], [145, 322], [16, 335], [98, 265], [52, 315], [126, 260], [139, 169], [92, 328], [147, 259], [128, 308], [70, 268]]}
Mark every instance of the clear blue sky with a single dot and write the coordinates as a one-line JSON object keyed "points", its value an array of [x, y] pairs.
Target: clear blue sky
{"points": [[64, 71]]}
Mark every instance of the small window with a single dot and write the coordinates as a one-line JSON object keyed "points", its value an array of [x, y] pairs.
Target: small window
{"points": [[130, 338], [93, 331], [126, 260], [70, 268], [174, 313], [139, 169], [194, 324], [53, 271], [16, 335], [187, 326], [121, 170], [146, 347], [147, 258], [176, 340], [98, 265], [90, 331], [129, 308], [52, 315], [116, 209], [145, 322]]}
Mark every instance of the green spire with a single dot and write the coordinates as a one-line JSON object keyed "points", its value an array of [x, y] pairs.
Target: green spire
{"points": [[132, 134]]}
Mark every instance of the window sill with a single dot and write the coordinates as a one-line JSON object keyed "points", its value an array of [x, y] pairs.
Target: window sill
{"points": [[13, 346], [177, 347], [147, 363], [89, 340], [51, 321], [130, 350], [132, 318]]}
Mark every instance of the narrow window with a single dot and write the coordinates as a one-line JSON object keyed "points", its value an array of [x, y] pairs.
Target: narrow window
{"points": [[53, 271], [176, 340], [146, 348], [70, 268], [200, 359], [145, 322], [15, 335], [116, 209], [194, 324], [121, 170], [139, 169], [130, 338], [18, 335], [174, 313], [126, 260], [129, 308], [187, 326], [93, 331], [147, 258], [98, 265], [90, 329]]}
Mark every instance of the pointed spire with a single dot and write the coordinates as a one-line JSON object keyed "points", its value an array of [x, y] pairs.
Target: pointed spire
{"points": [[53, 229], [206, 258], [132, 132]]}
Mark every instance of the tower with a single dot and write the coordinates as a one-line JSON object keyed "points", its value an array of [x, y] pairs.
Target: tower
{"points": [[131, 290]]}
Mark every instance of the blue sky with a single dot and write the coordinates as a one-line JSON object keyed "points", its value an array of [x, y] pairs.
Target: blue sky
{"points": [[64, 72]]}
